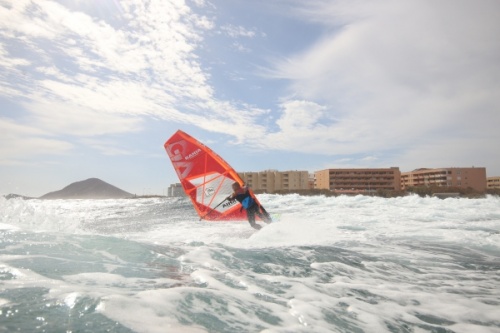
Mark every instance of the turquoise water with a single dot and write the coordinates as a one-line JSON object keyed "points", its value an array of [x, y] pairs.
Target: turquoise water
{"points": [[344, 264]]}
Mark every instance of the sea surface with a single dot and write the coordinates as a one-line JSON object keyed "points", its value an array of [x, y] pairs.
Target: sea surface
{"points": [[327, 264]]}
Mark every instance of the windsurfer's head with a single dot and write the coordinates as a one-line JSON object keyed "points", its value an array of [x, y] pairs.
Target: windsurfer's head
{"points": [[236, 186]]}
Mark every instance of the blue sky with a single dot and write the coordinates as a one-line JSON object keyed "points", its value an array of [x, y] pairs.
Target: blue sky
{"points": [[93, 88]]}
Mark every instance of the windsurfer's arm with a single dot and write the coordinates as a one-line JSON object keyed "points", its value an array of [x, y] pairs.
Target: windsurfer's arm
{"points": [[245, 188]]}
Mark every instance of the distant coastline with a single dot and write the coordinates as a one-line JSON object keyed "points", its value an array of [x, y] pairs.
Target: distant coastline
{"points": [[420, 191], [94, 188]]}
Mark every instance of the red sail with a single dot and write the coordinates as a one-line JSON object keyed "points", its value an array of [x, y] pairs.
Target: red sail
{"points": [[205, 177]]}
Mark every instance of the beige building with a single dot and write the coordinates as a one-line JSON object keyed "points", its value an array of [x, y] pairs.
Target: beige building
{"points": [[273, 180], [356, 181], [450, 177], [493, 182], [176, 190]]}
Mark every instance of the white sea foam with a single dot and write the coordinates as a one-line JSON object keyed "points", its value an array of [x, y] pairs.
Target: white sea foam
{"points": [[303, 220], [328, 264]]}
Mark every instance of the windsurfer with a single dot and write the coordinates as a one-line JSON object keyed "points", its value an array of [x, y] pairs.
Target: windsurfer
{"points": [[243, 195]]}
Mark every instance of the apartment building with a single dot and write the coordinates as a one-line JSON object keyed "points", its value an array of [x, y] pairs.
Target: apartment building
{"points": [[356, 181], [175, 190], [451, 177], [493, 182], [273, 180]]}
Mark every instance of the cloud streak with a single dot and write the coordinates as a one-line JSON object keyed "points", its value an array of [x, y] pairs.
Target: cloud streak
{"points": [[398, 75], [19, 140], [77, 73]]}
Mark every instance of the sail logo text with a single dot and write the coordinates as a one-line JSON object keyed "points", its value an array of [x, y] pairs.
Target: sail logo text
{"points": [[193, 154], [229, 203]]}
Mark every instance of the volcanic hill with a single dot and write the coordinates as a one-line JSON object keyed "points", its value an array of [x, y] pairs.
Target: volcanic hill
{"points": [[91, 188]]}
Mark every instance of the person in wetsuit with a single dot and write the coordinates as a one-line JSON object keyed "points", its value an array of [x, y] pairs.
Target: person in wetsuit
{"points": [[242, 194]]}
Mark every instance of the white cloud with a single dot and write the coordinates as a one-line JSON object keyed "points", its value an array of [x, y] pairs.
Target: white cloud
{"points": [[106, 147], [237, 31], [21, 142], [81, 73], [151, 50], [400, 74], [300, 116], [240, 47], [68, 119]]}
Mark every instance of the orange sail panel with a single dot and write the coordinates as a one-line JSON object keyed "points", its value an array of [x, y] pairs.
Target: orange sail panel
{"points": [[205, 177]]}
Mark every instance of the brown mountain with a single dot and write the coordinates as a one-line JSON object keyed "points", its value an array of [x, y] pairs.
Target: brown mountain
{"points": [[91, 188]]}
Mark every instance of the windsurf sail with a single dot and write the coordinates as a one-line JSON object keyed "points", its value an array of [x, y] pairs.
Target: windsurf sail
{"points": [[205, 177]]}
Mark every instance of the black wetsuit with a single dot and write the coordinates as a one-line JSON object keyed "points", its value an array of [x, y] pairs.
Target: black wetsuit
{"points": [[253, 209]]}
